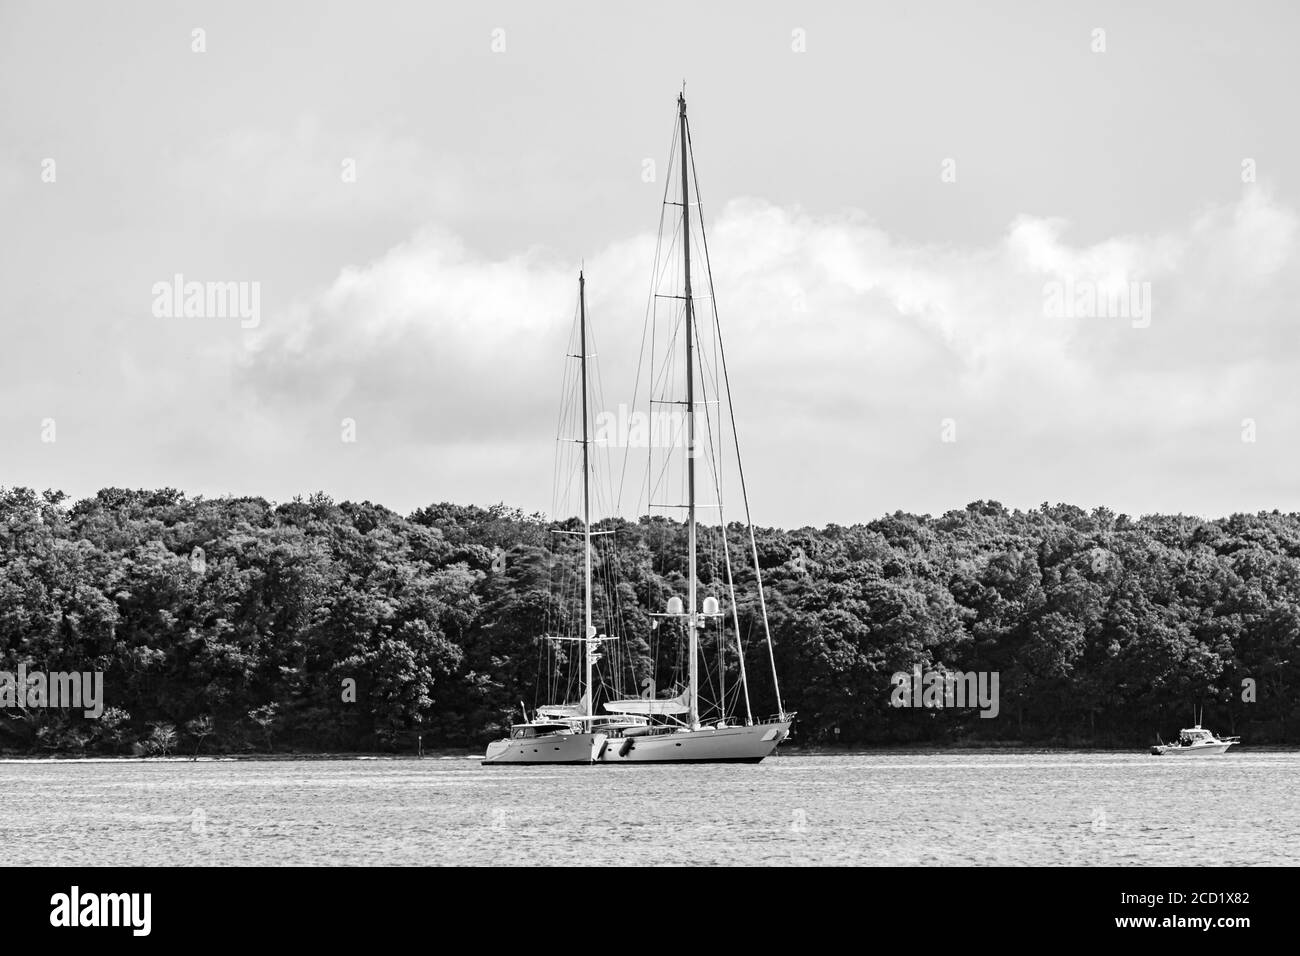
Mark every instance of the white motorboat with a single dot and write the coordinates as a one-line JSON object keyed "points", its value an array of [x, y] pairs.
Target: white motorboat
{"points": [[1194, 741]]}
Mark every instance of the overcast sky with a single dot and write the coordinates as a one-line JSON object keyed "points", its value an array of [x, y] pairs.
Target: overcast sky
{"points": [[891, 192]]}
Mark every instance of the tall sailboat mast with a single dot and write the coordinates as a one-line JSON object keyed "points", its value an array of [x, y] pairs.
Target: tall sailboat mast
{"points": [[692, 622], [586, 502]]}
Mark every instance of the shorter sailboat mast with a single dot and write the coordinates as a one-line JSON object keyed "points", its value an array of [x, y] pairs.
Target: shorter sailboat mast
{"points": [[587, 630]]}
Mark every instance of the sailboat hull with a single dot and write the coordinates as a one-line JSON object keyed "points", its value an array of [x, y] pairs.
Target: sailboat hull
{"points": [[706, 745], [548, 749]]}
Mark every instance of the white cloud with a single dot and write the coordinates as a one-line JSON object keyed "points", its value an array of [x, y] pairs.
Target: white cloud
{"points": [[847, 348]]}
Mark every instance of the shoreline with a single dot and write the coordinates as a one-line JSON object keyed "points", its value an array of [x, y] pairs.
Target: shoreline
{"points": [[465, 753]]}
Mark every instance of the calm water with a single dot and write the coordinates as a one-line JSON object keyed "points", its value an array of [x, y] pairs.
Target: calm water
{"points": [[885, 809]]}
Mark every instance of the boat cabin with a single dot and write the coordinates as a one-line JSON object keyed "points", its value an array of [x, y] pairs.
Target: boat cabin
{"points": [[538, 729]]}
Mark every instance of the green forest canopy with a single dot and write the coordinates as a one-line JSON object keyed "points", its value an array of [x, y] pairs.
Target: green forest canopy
{"points": [[1104, 629]]}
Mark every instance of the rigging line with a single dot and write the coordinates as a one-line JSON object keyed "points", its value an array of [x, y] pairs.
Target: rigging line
{"points": [[541, 651], [575, 469], [612, 606], [726, 555], [597, 453], [604, 455], [659, 378], [657, 275], [666, 257], [713, 445], [653, 317], [617, 611], [740, 467], [654, 333], [559, 424], [664, 475], [568, 465], [670, 366], [649, 304]]}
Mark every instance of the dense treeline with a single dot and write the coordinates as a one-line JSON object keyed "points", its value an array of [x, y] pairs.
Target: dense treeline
{"points": [[236, 624]]}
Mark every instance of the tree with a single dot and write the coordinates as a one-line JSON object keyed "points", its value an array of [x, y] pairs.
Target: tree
{"points": [[200, 728], [162, 738], [265, 718]]}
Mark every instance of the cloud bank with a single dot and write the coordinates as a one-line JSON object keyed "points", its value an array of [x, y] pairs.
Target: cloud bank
{"points": [[853, 357]]}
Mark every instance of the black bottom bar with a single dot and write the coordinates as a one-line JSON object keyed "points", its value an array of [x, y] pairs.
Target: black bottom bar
{"points": [[332, 906]]}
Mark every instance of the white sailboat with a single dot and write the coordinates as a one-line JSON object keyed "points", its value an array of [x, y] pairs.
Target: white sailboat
{"points": [[569, 733], [675, 730]]}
